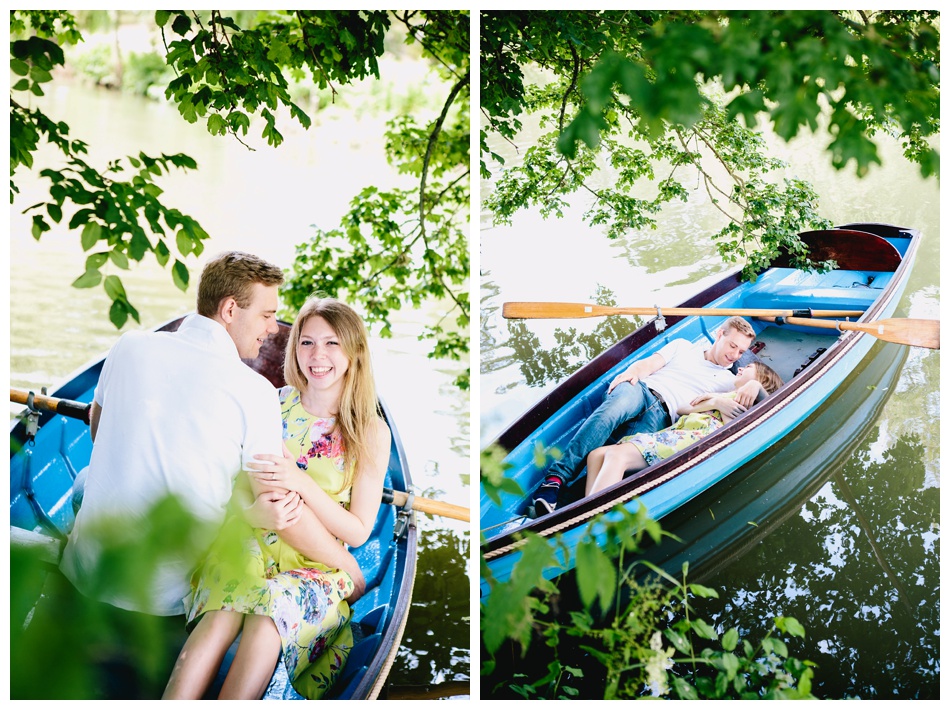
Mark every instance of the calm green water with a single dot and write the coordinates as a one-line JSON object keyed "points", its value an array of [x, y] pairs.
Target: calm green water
{"points": [[263, 201], [854, 555]]}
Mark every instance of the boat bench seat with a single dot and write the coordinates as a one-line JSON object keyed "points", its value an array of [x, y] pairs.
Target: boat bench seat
{"points": [[839, 290]]}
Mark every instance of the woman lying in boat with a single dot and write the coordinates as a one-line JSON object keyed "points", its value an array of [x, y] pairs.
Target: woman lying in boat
{"points": [[285, 605], [606, 465]]}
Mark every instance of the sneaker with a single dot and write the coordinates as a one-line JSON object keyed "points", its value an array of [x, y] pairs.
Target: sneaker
{"points": [[545, 499]]}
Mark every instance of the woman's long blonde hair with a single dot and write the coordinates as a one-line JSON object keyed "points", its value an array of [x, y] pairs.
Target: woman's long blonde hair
{"points": [[359, 408]]}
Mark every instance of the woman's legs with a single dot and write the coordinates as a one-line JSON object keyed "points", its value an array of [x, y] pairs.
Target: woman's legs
{"points": [[202, 654], [617, 459], [254, 661], [595, 460]]}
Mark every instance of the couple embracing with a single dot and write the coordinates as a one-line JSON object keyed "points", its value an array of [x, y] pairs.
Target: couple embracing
{"points": [[286, 479], [698, 386]]}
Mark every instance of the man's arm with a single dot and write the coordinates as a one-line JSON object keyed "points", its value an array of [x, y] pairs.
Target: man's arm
{"points": [[638, 370], [95, 413]]}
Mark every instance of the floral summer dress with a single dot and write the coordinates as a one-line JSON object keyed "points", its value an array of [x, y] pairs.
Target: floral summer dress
{"points": [[253, 571], [688, 429]]}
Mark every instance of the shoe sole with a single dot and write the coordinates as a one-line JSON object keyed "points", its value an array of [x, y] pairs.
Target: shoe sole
{"points": [[538, 508]]}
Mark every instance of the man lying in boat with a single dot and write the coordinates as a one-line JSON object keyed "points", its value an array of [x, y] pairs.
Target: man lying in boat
{"points": [[606, 465], [646, 397]]}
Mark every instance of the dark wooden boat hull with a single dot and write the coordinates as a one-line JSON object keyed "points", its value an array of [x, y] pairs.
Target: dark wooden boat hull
{"points": [[667, 485], [41, 476]]}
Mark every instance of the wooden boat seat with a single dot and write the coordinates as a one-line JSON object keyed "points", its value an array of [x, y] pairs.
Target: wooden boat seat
{"points": [[850, 248]]}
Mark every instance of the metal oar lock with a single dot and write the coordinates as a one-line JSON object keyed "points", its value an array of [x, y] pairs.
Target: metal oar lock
{"points": [[404, 516]]}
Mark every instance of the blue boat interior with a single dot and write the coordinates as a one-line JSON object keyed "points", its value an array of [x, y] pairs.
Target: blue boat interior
{"points": [[41, 501], [786, 349]]}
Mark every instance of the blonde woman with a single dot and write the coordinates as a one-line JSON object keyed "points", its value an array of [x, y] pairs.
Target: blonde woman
{"points": [[287, 604], [606, 465]]}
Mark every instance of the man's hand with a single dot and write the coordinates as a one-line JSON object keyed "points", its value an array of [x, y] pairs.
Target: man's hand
{"points": [[625, 376], [747, 394], [729, 408], [273, 510]]}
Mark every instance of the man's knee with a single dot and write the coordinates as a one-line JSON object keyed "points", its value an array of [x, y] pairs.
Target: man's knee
{"points": [[625, 401]]}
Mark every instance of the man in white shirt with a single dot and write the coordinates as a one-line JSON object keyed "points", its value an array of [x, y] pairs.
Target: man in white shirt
{"points": [[180, 414], [646, 396]]}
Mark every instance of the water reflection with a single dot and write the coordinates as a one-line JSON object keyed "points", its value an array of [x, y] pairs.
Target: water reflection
{"points": [[859, 567], [435, 646]]}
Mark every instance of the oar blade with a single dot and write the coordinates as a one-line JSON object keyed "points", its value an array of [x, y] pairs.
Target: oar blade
{"points": [[920, 332], [546, 309]]}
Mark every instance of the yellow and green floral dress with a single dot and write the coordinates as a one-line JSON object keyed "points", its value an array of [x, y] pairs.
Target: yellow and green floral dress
{"points": [[253, 571], [688, 429]]}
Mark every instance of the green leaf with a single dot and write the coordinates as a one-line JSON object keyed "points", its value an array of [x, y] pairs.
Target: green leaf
{"points": [[114, 288], [184, 242], [217, 125], [596, 574], [790, 626], [684, 690], [703, 629], [119, 259], [705, 592], [19, 67], [91, 278], [39, 226], [180, 275], [118, 313], [181, 24], [90, 235], [730, 639], [161, 17]]}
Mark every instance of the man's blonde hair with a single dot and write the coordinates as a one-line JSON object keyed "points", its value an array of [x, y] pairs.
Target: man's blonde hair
{"points": [[233, 275], [739, 324]]}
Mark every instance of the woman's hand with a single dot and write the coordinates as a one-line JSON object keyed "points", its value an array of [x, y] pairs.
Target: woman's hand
{"points": [[278, 471], [729, 408], [274, 511]]}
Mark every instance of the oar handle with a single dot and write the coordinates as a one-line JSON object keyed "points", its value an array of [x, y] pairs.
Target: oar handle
{"points": [[426, 505], [66, 407]]}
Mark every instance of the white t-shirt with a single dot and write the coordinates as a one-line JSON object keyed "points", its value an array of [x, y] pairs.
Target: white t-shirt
{"points": [[687, 374], [182, 415]]}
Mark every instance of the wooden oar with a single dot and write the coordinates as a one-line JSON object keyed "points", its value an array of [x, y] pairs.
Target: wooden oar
{"points": [[80, 410], [66, 407], [906, 331], [545, 309], [426, 505]]}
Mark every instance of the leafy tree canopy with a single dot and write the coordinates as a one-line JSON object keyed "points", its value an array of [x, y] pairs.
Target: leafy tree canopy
{"points": [[648, 94], [395, 248]]}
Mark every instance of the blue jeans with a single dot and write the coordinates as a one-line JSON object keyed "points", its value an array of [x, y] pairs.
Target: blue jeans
{"points": [[628, 409]]}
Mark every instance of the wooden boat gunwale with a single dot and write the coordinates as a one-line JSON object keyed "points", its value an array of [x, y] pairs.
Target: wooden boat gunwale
{"points": [[571, 516]]}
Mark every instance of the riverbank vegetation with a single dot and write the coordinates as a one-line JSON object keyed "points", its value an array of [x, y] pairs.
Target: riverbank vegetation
{"points": [[634, 105], [248, 77]]}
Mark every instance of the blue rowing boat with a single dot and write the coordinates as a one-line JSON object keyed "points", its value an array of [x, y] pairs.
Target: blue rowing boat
{"points": [[44, 465], [873, 261]]}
